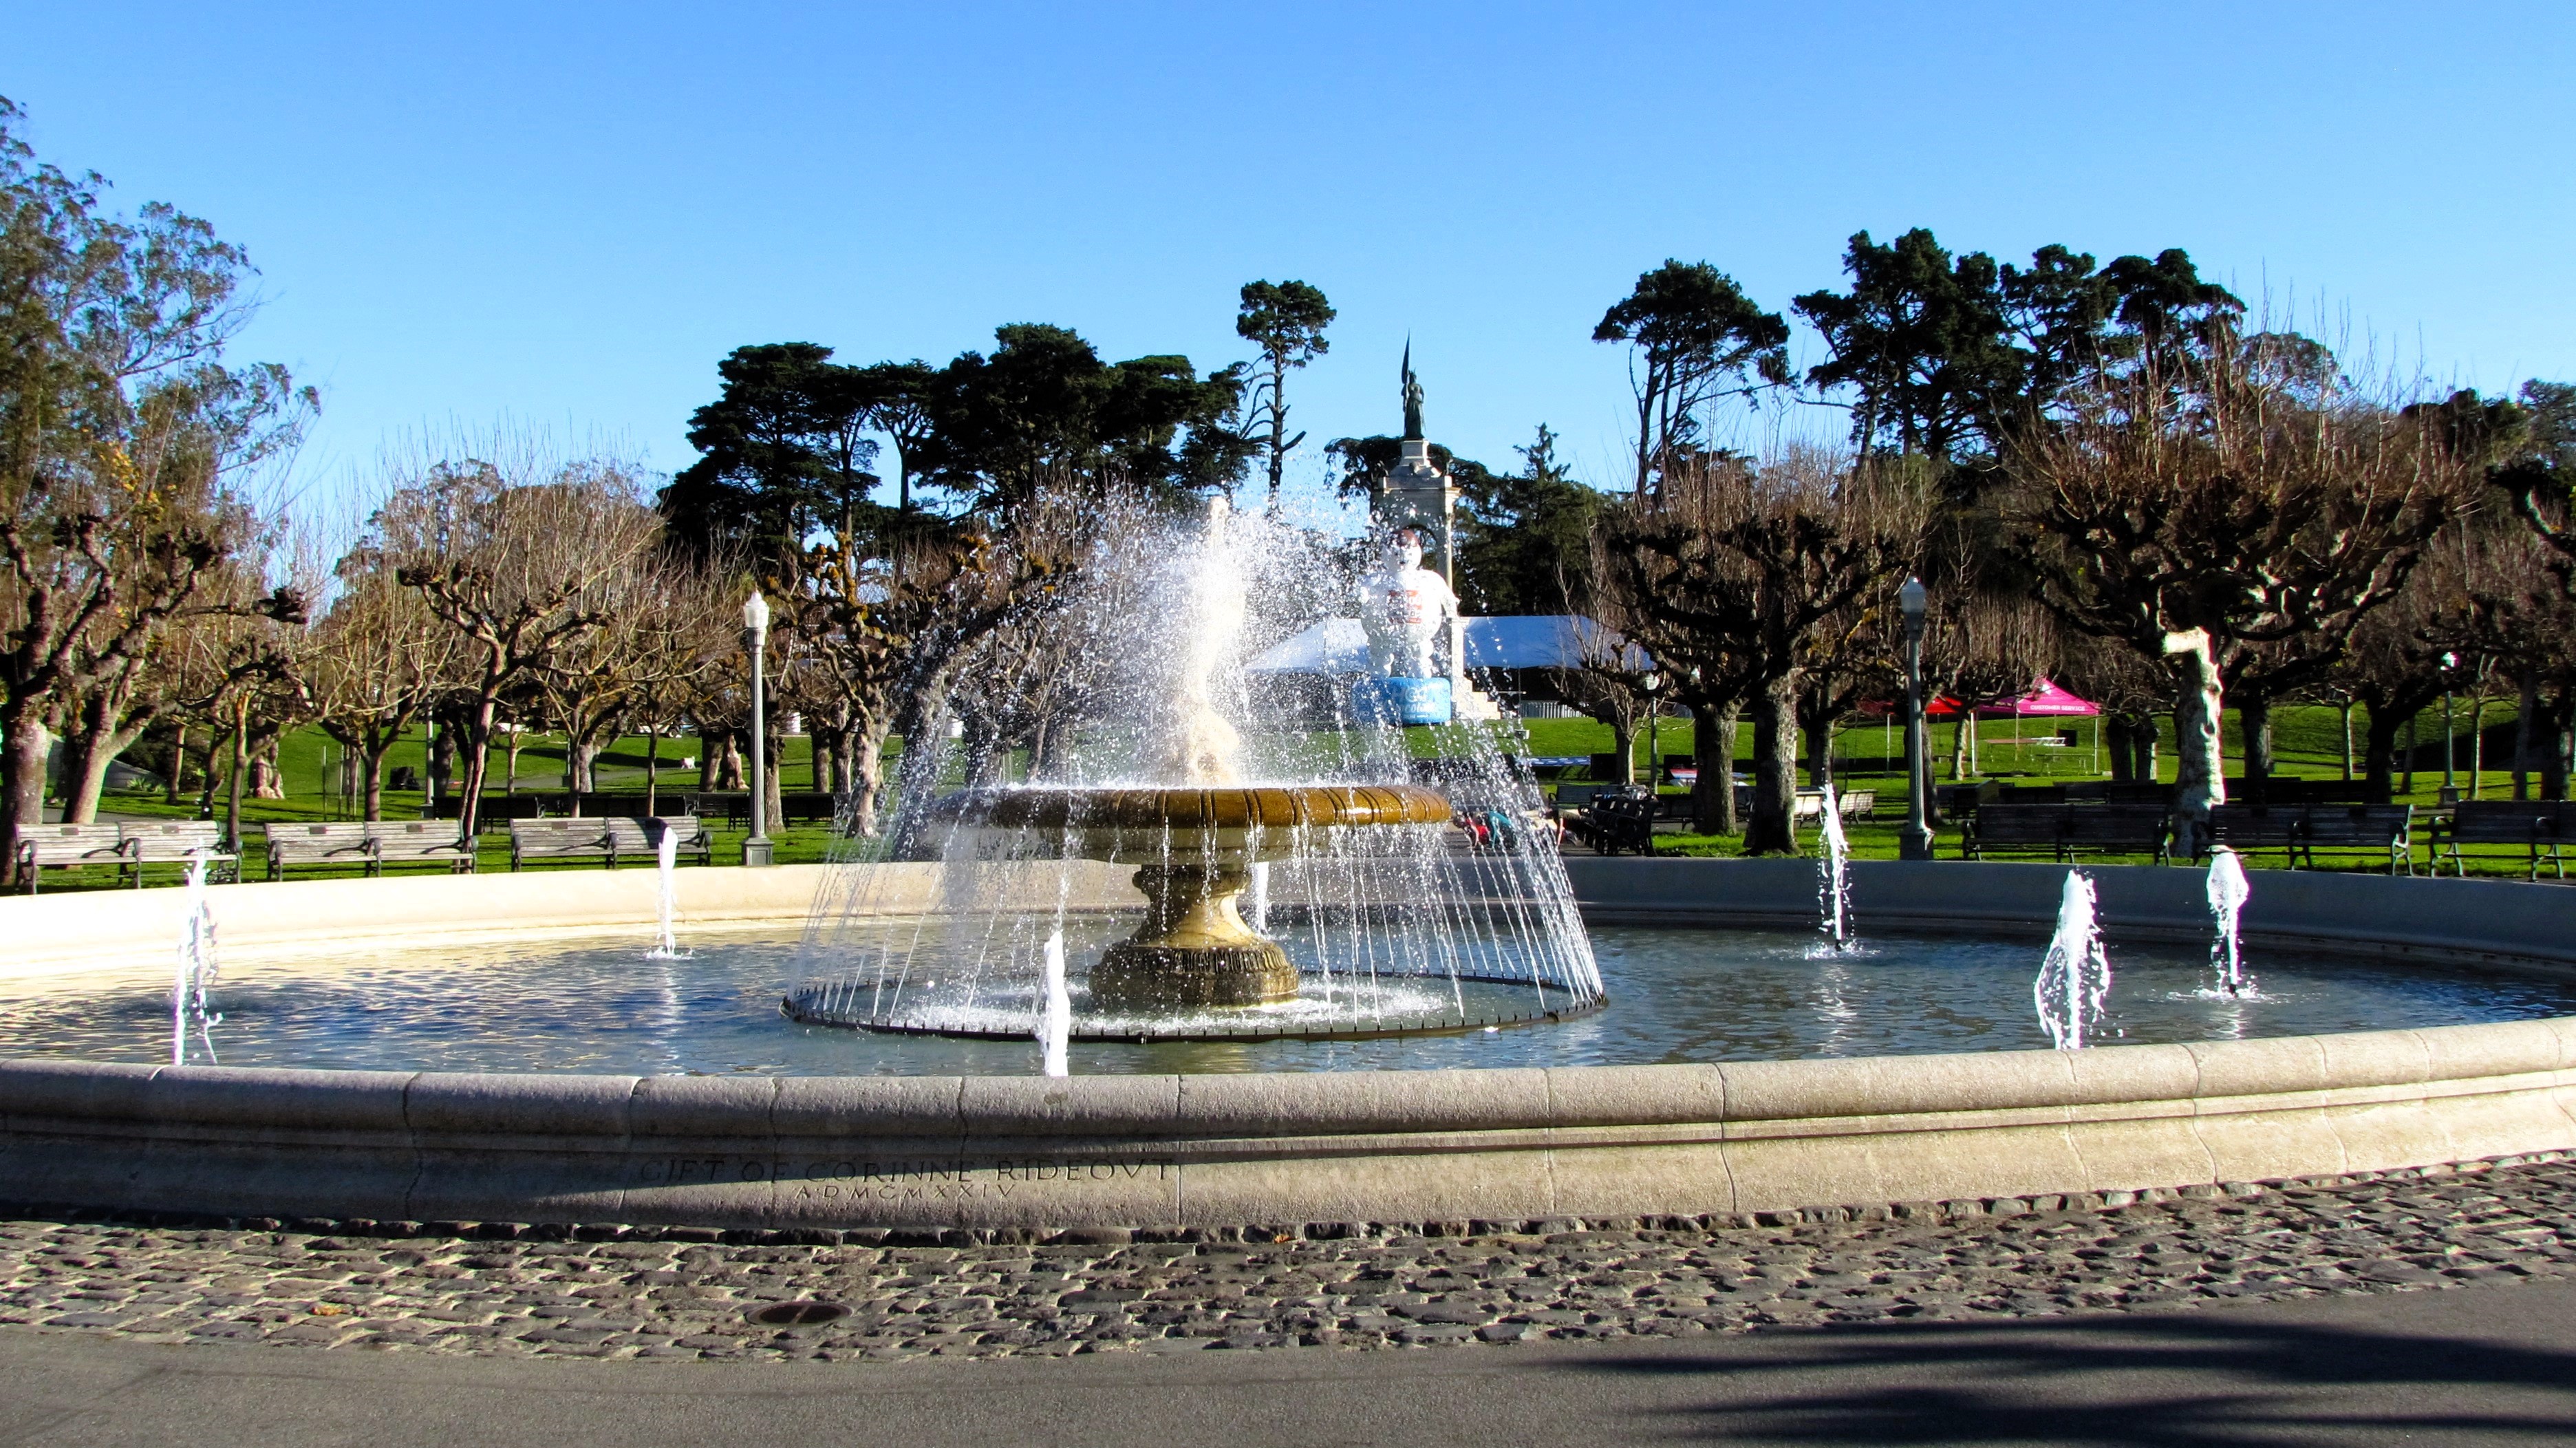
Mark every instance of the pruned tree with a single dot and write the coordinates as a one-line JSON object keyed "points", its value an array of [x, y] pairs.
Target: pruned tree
{"points": [[1728, 575], [2198, 507], [380, 659], [512, 556]]}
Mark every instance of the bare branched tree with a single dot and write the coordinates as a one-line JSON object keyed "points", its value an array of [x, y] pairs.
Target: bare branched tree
{"points": [[513, 557], [2204, 505], [1729, 575]]}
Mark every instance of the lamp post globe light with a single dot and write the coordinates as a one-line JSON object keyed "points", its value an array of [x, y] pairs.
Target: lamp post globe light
{"points": [[1914, 842], [757, 850]]}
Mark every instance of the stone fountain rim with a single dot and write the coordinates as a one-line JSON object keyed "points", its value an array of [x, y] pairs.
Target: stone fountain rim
{"points": [[1440, 1145]]}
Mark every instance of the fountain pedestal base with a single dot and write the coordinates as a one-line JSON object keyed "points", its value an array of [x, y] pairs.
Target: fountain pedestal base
{"points": [[1193, 949]]}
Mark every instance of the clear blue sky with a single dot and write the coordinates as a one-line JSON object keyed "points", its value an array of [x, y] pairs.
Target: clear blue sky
{"points": [[567, 213]]}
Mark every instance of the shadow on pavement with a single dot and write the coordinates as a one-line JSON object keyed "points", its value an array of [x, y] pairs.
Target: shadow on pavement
{"points": [[2164, 1379]]}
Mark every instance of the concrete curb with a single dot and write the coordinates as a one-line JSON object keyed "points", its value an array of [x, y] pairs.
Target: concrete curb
{"points": [[1025, 1153]]}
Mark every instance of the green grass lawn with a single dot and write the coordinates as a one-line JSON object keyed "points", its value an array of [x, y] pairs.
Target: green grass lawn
{"points": [[2308, 742]]}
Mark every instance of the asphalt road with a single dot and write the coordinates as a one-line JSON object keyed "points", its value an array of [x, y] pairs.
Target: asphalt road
{"points": [[2485, 1364]]}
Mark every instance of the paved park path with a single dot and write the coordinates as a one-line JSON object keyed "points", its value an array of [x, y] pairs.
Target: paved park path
{"points": [[2486, 1364], [2411, 1307]]}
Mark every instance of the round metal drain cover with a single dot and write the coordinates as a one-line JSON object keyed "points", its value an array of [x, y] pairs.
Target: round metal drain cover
{"points": [[798, 1314]]}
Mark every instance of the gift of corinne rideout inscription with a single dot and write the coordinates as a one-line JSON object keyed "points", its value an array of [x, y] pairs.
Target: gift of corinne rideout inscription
{"points": [[897, 1179]]}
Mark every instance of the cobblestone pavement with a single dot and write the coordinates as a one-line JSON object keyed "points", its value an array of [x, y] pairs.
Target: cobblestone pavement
{"points": [[674, 1293]]}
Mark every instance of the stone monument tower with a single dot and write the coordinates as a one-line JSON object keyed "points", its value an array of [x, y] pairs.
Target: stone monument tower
{"points": [[1415, 497], [1415, 493]]}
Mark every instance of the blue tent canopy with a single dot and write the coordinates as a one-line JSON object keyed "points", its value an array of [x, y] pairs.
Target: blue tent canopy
{"points": [[1511, 641]]}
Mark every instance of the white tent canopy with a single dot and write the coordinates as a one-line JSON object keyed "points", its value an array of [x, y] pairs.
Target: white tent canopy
{"points": [[1512, 641]]}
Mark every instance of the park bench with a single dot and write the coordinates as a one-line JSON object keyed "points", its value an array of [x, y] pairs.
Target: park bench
{"points": [[409, 842], [1619, 818], [2299, 831], [2119, 829], [640, 837], [2367, 827], [43, 847], [371, 844], [318, 844], [2534, 826], [2246, 828], [2064, 829], [601, 839], [816, 806], [173, 842]]}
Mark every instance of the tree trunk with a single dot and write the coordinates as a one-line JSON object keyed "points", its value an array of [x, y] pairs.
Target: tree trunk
{"points": [[729, 770], [2254, 721], [2200, 773], [2379, 747], [2142, 734], [478, 766], [774, 755], [653, 769], [178, 764], [826, 739], [1819, 733], [2529, 704], [1713, 794], [1959, 746], [267, 777], [22, 784], [1623, 743], [371, 773], [2347, 741], [866, 776], [441, 764], [233, 781], [2557, 719], [2409, 786], [2115, 739], [1773, 830], [85, 762], [510, 785]]}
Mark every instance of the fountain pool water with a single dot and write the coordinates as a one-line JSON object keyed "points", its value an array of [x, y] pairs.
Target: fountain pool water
{"points": [[1678, 995]]}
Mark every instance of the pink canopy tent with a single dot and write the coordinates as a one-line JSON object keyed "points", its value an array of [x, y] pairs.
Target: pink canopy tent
{"points": [[2043, 700]]}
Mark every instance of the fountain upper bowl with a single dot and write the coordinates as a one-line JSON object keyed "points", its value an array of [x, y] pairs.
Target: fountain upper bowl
{"points": [[1172, 822]]}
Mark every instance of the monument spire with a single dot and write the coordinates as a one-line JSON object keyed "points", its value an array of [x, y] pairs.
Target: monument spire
{"points": [[1412, 397]]}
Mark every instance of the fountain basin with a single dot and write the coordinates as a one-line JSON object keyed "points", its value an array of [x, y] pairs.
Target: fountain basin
{"points": [[1196, 1150], [1195, 845]]}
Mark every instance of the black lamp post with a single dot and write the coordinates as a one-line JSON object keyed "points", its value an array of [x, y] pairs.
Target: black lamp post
{"points": [[757, 849], [1914, 842]]}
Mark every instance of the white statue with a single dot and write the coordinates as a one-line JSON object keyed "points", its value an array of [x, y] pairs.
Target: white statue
{"points": [[1405, 608]]}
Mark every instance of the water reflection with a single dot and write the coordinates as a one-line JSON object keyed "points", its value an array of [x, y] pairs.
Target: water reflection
{"points": [[1676, 995]]}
